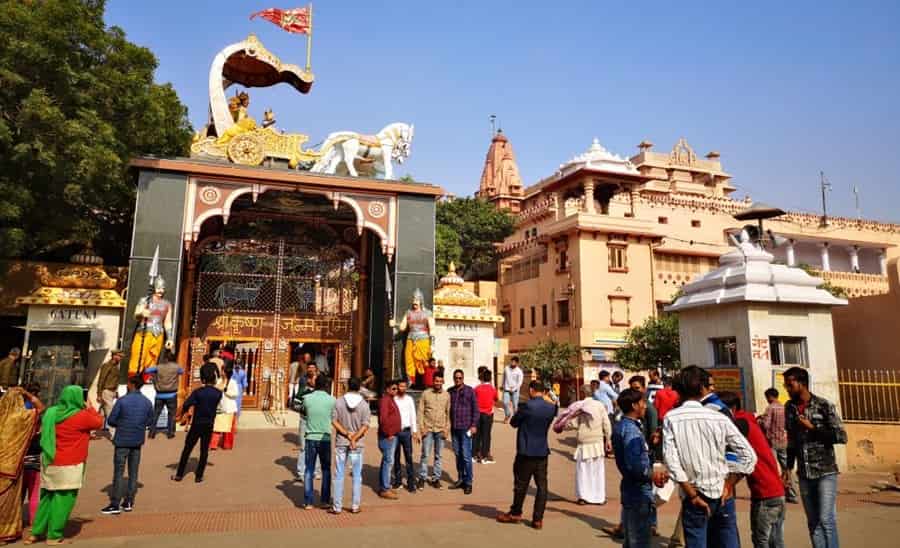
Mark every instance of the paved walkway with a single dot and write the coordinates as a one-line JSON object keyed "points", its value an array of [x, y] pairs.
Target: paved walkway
{"points": [[249, 495]]}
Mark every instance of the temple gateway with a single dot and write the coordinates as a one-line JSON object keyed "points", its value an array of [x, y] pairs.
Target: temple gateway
{"points": [[276, 250]]}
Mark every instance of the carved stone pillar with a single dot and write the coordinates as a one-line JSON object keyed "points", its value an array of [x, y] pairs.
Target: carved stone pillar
{"points": [[589, 196], [361, 323], [791, 257], [184, 326], [826, 258]]}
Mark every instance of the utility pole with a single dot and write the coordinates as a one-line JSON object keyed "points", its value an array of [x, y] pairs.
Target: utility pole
{"points": [[826, 186], [855, 190], [493, 119]]}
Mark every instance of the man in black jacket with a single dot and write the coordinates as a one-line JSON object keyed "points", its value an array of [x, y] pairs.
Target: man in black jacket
{"points": [[203, 401], [813, 429], [533, 420]]}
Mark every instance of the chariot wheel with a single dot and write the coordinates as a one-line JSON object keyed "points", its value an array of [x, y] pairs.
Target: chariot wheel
{"points": [[246, 149]]}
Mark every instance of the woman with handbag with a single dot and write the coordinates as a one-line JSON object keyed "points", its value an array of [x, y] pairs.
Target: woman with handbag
{"points": [[225, 425]]}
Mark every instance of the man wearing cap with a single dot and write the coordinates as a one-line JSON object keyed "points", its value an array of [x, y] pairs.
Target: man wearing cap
{"points": [[9, 369], [108, 381]]}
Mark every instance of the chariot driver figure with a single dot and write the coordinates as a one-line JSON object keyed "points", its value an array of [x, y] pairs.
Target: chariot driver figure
{"points": [[243, 123], [154, 323], [419, 325]]}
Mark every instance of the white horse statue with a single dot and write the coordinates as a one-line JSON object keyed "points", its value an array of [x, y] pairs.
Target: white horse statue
{"points": [[345, 147]]}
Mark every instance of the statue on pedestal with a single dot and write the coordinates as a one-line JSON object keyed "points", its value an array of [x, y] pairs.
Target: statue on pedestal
{"points": [[154, 328], [418, 322]]}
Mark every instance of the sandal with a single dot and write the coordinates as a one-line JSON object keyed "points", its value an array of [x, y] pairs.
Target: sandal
{"points": [[30, 540]]}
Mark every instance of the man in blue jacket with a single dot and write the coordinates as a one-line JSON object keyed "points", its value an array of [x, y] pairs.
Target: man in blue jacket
{"points": [[130, 416], [533, 420], [633, 461]]}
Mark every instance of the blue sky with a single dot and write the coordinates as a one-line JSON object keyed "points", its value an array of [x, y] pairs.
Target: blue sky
{"points": [[782, 90]]}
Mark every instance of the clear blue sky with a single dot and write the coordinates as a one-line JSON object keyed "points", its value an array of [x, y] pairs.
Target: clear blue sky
{"points": [[781, 89]]}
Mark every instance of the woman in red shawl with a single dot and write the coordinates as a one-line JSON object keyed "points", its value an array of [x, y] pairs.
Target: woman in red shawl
{"points": [[65, 435]]}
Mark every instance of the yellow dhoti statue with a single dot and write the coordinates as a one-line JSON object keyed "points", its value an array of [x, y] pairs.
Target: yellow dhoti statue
{"points": [[153, 331], [415, 355], [152, 346], [419, 324]]}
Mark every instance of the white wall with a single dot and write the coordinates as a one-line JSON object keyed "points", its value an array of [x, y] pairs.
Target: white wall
{"points": [[480, 333], [759, 321], [104, 329]]}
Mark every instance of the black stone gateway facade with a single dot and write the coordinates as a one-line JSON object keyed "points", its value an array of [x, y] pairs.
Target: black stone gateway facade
{"points": [[273, 263]]}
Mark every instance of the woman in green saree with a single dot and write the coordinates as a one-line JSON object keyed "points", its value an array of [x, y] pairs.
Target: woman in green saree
{"points": [[65, 435]]}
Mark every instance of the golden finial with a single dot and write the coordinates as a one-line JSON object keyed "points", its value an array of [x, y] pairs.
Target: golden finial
{"points": [[451, 268]]}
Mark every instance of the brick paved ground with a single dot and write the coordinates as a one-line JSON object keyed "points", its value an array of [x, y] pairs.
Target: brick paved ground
{"points": [[249, 495]]}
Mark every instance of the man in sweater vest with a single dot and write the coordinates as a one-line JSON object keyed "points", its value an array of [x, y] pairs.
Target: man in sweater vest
{"points": [[165, 380]]}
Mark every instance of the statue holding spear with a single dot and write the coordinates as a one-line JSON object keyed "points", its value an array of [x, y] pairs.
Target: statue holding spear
{"points": [[154, 323]]}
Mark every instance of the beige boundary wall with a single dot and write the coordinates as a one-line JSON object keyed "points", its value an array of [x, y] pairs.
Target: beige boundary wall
{"points": [[873, 446]]}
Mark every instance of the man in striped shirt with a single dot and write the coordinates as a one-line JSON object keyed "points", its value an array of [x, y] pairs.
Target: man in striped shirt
{"points": [[694, 442]]}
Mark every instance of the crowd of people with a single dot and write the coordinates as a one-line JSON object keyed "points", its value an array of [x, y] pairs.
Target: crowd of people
{"points": [[665, 434], [682, 433]]}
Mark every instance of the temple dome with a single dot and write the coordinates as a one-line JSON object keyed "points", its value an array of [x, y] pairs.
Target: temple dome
{"points": [[747, 274]]}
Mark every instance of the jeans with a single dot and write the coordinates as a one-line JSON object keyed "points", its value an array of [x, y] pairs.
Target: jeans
{"points": [[462, 448], [404, 442], [635, 519], [482, 446], [510, 399], [718, 530], [322, 450], [301, 459], [431, 441], [131, 455], [170, 404], [387, 447], [201, 433], [341, 454], [524, 468], [767, 522], [819, 502], [789, 491]]}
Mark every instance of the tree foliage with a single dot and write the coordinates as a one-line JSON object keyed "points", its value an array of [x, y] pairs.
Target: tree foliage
{"points": [[835, 290], [77, 102], [651, 344], [551, 359], [467, 229]]}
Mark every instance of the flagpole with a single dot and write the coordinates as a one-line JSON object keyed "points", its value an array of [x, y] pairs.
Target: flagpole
{"points": [[309, 41]]}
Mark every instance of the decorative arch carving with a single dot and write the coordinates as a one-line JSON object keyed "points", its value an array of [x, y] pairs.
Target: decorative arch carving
{"points": [[211, 198]]}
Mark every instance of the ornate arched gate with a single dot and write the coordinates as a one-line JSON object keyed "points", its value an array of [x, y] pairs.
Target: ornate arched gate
{"points": [[264, 297]]}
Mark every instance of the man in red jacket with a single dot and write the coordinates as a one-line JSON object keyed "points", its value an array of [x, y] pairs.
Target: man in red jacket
{"points": [[388, 428], [767, 503]]}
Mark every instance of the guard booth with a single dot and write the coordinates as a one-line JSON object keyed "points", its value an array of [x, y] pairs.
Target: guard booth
{"points": [[73, 321]]}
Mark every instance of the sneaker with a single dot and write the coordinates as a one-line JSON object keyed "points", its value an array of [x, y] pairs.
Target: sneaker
{"points": [[127, 506], [488, 460], [111, 510], [388, 494], [420, 484], [457, 485], [411, 489], [435, 483], [467, 490]]}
